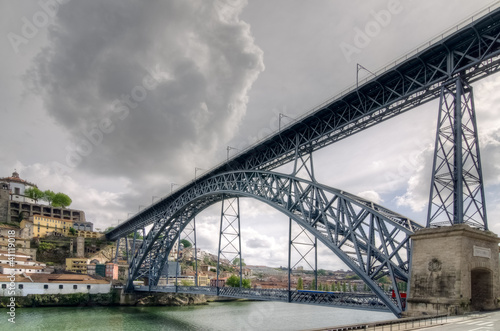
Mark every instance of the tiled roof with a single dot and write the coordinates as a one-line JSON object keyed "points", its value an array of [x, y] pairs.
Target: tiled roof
{"points": [[66, 278], [54, 278], [15, 178]]}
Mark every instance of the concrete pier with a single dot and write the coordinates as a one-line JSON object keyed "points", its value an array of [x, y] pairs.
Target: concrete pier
{"points": [[455, 269]]}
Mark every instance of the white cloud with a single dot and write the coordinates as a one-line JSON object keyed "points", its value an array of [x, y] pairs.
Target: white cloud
{"points": [[372, 196]]}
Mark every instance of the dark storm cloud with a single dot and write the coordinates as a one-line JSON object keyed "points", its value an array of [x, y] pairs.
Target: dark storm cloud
{"points": [[158, 86]]}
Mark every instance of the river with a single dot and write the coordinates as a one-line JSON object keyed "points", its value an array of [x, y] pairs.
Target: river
{"points": [[241, 315]]}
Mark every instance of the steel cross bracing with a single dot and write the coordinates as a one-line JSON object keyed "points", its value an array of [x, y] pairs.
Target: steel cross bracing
{"points": [[230, 235], [473, 52], [373, 241], [337, 299], [457, 191]]}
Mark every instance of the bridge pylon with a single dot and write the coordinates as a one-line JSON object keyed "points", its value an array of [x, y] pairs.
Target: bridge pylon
{"points": [[457, 190], [454, 262], [230, 235]]}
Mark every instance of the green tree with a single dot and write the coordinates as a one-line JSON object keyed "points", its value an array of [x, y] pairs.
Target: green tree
{"points": [[355, 287], [300, 284], [72, 231], [33, 193], [48, 196], [236, 261], [109, 228], [333, 287], [131, 235], [313, 285], [233, 281], [185, 282], [246, 283], [61, 200], [343, 287], [186, 243], [46, 246]]}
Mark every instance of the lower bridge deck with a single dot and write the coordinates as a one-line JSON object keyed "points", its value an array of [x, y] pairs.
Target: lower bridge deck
{"points": [[334, 299]]}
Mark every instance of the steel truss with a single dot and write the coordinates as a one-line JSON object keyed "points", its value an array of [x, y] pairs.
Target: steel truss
{"points": [[337, 299], [473, 52], [229, 235], [301, 244], [457, 192], [373, 241]]}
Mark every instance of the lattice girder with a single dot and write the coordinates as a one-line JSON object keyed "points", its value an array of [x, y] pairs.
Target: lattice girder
{"points": [[371, 240]]}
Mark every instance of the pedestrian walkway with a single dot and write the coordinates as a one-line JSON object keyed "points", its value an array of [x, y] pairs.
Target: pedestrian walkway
{"points": [[469, 322]]}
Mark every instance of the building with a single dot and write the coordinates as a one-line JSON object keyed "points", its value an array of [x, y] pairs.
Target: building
{"points": [[91, 269], [7, 269], [21, 237], [203, 280], [20, 263], [83, 226], [171, 269], [15, 206], [220, 283], [100, 270], [111, 270], [43, 226], [16, 187], [53, 284], [76, 264], [89, 234]]}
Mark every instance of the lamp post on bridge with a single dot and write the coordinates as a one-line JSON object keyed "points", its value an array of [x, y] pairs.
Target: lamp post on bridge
{"points": [[196, 171], [172, 186], [281, 115], [228, 149], [153, 198]]}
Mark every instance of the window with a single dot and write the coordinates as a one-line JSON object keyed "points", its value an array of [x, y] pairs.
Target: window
{"points": [[88, 287], [75, 287], [17, 190], [4, 285], [60, 287], [20, 286], [46, 286]]}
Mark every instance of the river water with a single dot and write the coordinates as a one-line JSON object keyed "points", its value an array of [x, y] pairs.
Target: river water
{"points": [[241, 315]]}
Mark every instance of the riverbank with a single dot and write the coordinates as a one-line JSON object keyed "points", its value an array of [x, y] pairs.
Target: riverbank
{"points": [[114, 298]]}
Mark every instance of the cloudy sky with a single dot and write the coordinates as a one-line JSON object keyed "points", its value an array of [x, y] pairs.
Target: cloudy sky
{"points": [[113, 101]]}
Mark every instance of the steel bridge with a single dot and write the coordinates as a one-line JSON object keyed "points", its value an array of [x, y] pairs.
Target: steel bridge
{"points": [[370, 239]]}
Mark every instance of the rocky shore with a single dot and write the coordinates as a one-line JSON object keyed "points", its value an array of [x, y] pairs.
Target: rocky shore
{"points": [[114, 298]]}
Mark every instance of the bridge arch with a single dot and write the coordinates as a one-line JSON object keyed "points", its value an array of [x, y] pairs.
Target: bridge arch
{"points": [[373, 241]]}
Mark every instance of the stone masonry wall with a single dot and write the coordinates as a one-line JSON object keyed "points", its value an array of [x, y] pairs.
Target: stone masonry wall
{"points": [[442, 262]]}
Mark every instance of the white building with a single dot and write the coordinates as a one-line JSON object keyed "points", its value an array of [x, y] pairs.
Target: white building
{"points": [[52, 284], [20, 263], [17, 186]]}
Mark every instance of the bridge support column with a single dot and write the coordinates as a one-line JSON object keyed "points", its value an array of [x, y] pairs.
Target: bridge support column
{"points": [[117, 247], [457, 192], [301, 246], [229, 236], [455, 269]]}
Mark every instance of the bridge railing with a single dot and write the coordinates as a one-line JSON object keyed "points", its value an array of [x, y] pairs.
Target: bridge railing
{"points": [[336, 299]]}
